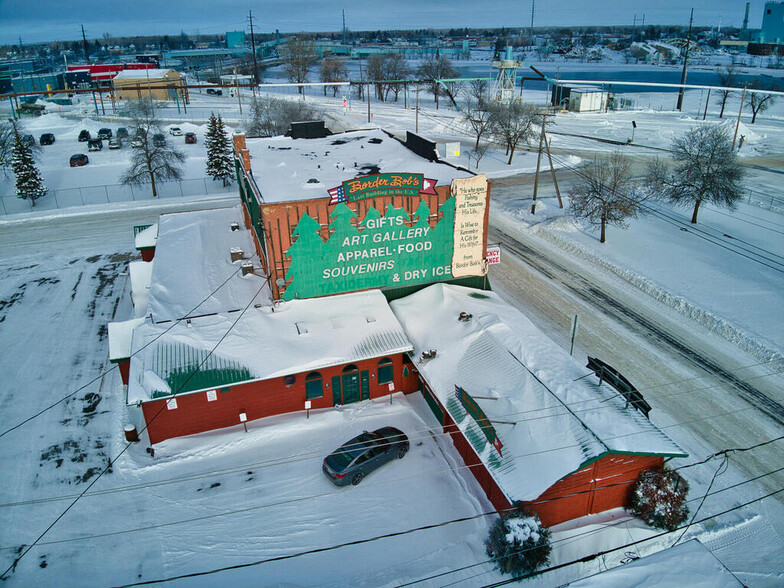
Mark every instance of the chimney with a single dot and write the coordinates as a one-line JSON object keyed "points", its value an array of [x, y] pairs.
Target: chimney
{"points": [[746, 18]]}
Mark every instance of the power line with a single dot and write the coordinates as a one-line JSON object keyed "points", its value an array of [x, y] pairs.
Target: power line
{"points": [[147, 424], [114, 367], [303, 456], [568, 540], [631, 544], [693, 229], [423, 528], [300, 499]]}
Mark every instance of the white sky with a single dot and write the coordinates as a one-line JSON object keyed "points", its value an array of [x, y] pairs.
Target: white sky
{"points": [[54, 20]]}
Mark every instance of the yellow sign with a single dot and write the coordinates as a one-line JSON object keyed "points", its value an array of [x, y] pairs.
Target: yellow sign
{"points": [[470, 204]]}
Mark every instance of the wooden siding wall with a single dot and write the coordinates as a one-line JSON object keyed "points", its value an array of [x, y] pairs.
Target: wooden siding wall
{"points": [[195, 414], [603, 485]]}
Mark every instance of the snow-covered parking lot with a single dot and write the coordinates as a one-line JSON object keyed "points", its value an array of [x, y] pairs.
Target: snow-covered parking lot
{"points": [[206, 501]]}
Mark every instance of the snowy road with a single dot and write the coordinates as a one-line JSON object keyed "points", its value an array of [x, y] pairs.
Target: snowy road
{"points": [[723, 397]]}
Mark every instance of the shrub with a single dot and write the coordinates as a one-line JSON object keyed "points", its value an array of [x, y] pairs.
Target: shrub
{"points": [[518, 543], [659, 498]]}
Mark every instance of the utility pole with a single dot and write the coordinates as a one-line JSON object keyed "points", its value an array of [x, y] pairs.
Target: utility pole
{"points": [[253, 49], [533, 11], [740, 111], [344, 26], [417, 109], [685, 61], [538, 165], [86, 51]]}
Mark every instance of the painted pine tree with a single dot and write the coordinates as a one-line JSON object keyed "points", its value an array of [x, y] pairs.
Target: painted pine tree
{"points": [[29, 183], [307, 255], [220, 162], [422, 215]]}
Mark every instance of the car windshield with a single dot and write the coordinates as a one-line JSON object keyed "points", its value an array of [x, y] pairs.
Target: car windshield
{"points": [[348, 452]]}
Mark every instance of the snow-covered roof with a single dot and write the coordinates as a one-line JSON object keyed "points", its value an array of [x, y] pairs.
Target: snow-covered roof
{"points": [[287, 169], [120, 334], [266, 342], [141, 278], [193, 273], [688, 564], [146, 238], [551, 423], [136, 74]]}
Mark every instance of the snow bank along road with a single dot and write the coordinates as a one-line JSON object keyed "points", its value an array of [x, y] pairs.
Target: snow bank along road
{"points": [[722, 397]]}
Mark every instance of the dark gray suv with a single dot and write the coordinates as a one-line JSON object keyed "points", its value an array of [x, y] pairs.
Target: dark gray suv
{"points": [[356, 458]]}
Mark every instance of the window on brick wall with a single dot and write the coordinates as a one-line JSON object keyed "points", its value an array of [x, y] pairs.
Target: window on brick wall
{"points": [[385, 371], [313, 386]]}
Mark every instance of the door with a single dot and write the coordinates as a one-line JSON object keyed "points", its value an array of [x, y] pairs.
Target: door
{"points": [[336, 399], [350, 387], [364, 381]]}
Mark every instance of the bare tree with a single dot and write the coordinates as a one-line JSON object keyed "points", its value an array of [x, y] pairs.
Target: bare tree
{"points": [[728, 78], [375, 73], [516, 123], [435, 69], [706, 170], [606, 194], [6, 146], [477, 153], [298, 57], [155, 160], [396, 71], [269, 117], [760, 101], [478, 114], [333, 70]]}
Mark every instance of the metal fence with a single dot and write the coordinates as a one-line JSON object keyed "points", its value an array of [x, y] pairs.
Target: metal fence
{"points": [[112, 193]]}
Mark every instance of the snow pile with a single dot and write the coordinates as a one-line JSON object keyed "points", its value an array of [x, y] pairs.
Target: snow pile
{"points": [[521, 529]]}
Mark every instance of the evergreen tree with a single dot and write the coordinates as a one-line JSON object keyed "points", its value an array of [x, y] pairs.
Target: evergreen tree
{"points": [[220, 161], [29, 183]]}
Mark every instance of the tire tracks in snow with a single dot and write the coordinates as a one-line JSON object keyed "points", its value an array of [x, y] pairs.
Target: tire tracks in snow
{"points": [[592, 295]]}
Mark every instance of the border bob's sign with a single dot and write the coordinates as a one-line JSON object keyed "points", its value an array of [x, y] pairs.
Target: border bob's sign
{"points": [[377, 185]]}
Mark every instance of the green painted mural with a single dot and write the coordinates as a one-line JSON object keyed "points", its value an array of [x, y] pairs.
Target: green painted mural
{"points": [[378, 252]]}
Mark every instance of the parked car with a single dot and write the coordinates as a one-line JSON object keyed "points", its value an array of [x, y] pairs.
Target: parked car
{"points": [[78, 160], [158, 140], [28, 140], [215, 91], [46, 139], [190, 137], [176, 131], [356, 458], [122, 133], [137, 142], [105, 133], [94, 145], [115, 143], [84, 135]]}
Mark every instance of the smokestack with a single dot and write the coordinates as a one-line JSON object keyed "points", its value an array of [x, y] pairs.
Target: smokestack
{"points": [[746, 18]]}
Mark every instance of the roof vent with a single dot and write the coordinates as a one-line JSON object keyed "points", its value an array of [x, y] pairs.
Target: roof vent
{"points": [[235, 226], [464, 317], [236, 254], [427, 355], [247, 267]]}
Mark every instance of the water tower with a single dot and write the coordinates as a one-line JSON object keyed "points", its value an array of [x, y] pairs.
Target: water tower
{"points": [[504, 87]]}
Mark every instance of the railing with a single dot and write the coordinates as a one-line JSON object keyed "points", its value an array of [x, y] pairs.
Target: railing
{"points": [[112, 193]]}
